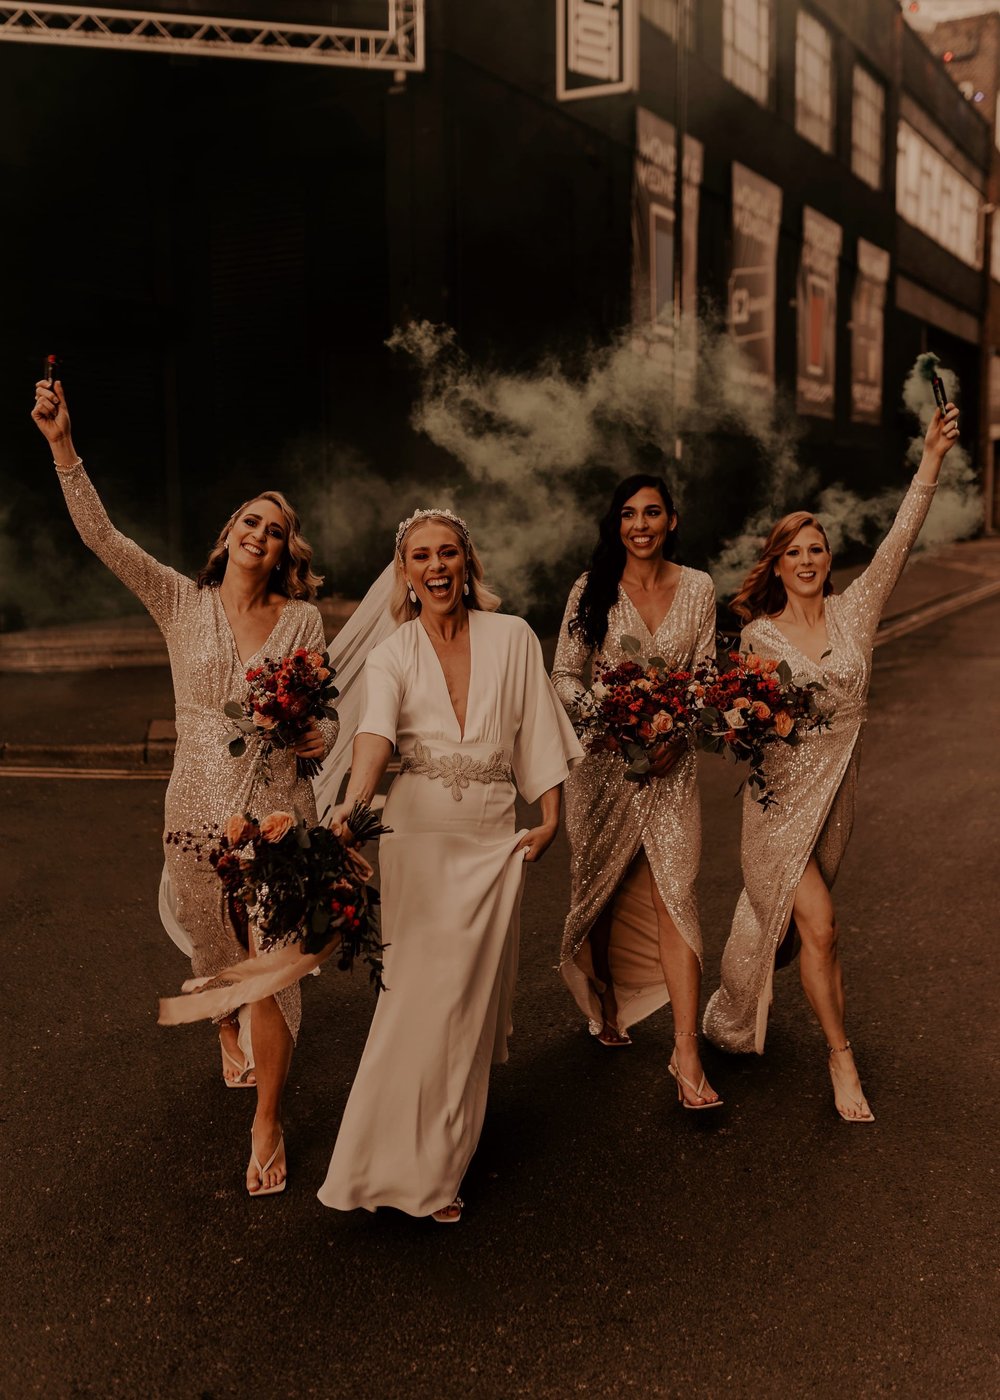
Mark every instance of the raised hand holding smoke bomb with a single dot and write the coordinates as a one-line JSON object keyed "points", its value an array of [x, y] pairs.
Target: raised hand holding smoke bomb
{"points": [[942, 431], [51, 416], [927, 367]]}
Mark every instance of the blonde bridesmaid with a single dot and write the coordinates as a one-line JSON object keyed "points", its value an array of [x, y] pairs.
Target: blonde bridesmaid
{"points": [[250, 600]]}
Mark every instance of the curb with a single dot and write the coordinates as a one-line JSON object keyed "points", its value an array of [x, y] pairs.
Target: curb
{"points": [[923, 616], [156, 757]]}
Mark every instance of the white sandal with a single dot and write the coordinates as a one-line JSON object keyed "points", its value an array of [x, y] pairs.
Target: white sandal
{"points": [[262, 1171], [444, 1219]]}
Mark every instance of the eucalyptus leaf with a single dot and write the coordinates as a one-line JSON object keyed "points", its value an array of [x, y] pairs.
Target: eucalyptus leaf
{"points": [[237, 747], [784, 672], [233, 709], [631, 645]]}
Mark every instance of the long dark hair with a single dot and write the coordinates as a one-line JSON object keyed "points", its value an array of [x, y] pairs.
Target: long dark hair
{"points": [[607, 563]]}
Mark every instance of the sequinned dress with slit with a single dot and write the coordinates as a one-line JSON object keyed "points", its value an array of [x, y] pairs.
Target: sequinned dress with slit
{"points": [[623, 834], [451, 893], [206, 784], [814, 782]]}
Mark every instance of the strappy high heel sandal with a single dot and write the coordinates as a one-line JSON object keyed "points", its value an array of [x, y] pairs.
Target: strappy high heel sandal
{"points": [[682, 1079], [864, 1115], [262, 1171], [443, 1218]]}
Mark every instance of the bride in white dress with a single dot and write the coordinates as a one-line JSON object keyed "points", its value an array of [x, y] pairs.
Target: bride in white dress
{"points": [[462, 693]]}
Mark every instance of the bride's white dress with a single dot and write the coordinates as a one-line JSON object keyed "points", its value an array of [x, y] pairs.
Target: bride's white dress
{"points": [[451, 891]]}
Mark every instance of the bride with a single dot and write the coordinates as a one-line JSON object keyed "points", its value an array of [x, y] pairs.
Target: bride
{"points": [[462, 693]]}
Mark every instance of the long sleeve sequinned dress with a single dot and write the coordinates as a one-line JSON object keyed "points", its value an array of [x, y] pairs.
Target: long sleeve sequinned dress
{"points": [[206, 784], [814, 782], [621, 833], [451, 894]]}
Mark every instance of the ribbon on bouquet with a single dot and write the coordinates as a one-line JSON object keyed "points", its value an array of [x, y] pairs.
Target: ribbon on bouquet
{"points": [[207, 998]]}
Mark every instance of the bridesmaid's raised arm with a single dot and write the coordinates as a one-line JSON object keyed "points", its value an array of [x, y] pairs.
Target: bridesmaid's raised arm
{"points": [[160, 589], [870, 591]]}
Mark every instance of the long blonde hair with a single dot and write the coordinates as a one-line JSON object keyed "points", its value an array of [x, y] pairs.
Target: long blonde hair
{"points": [[480, 595], [293, 575], [762, 593]]}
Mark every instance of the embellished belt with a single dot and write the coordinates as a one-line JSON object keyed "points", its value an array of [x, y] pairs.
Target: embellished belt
{"points": [[457, 770]]}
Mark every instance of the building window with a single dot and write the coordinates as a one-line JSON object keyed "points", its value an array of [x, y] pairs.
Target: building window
{"points": [[868, 128], [746, 47], [666, 15], [813, 81], [931, 195]]}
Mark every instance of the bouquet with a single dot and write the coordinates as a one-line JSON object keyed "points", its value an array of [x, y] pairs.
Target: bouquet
{"points": [[634, 708], [285, 697], [753, 704], [301, 882]]}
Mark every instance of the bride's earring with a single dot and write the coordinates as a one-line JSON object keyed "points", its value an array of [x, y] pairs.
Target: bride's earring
{"points": [[465, 588], [411, 594]]}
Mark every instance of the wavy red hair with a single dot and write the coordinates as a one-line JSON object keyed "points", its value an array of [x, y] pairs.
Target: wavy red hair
{"points": [[762, 593]]}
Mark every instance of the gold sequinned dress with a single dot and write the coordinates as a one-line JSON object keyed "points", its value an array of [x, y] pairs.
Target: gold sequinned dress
{"points": [[814, 782], [622, 834], [206, 784], [451, 893]]}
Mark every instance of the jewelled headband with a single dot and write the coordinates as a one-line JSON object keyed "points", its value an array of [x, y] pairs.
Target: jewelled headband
{"points": [[433, 514]]}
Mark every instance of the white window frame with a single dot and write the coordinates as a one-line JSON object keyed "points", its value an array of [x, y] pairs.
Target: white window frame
{"points": [[868, 128], [748, 47], [815, 81], [933, 197]]}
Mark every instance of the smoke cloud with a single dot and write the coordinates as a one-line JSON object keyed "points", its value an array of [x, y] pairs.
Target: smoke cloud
{"points": [[537, 453], [530, 459]]}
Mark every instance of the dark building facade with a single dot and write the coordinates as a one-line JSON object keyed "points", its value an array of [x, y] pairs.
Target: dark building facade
{"points": [[221, 249]]}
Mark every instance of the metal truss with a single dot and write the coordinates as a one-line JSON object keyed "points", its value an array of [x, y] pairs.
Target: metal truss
{"points": [[399, 46]]}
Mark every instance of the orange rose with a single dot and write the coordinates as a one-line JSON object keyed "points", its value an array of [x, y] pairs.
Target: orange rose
{"points": [[316, 658], [322, 672], [276, 825], [263, 721], [238, 829], [783, 723], [741, 703], [662, 723], [759, 710]]}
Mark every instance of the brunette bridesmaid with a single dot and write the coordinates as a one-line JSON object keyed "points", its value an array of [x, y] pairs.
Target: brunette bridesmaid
{"points": [[632, 939]]}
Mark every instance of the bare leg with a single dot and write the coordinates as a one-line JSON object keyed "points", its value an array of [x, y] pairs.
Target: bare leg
{"points": [[600, 942], [272, 1053], [234, 1062], [823, 984], [682, 974]]}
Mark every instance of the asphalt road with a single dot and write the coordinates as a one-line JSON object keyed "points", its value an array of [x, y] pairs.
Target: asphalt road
{"points": [[612, 1245]]}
